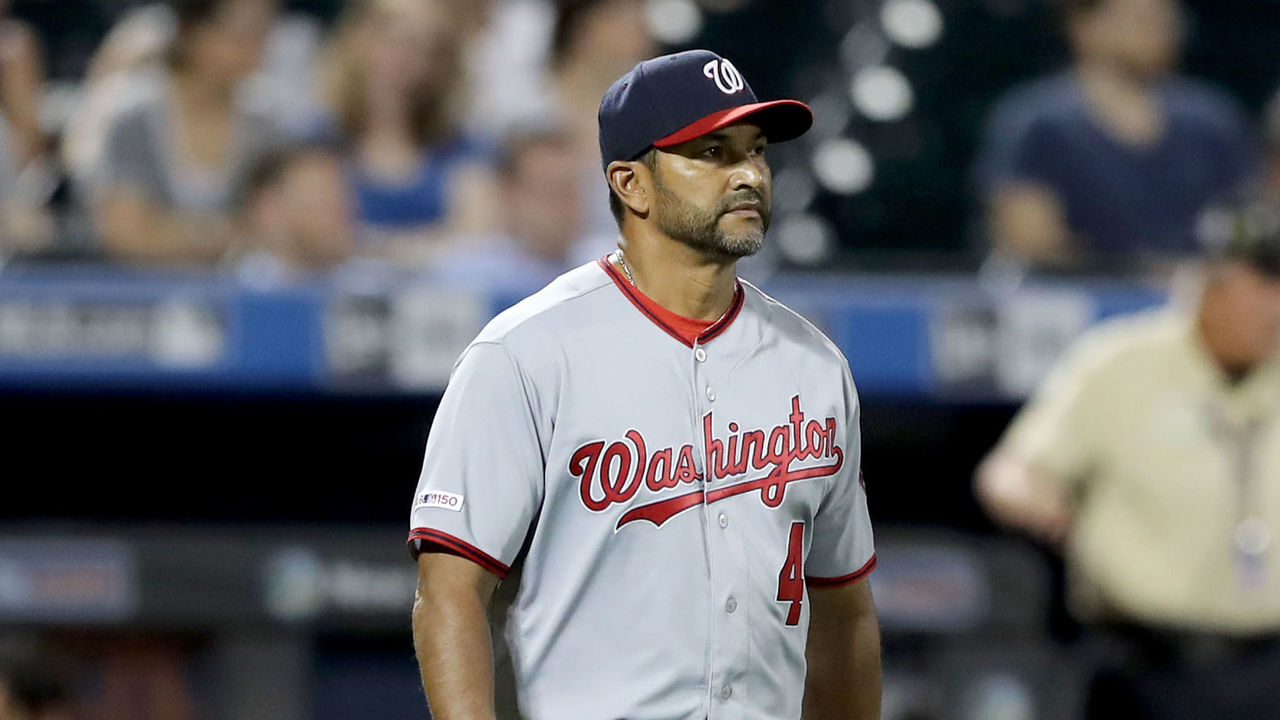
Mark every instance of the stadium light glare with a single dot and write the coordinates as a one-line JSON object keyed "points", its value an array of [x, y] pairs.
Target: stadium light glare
{"points": [[843, 166], [673, 22], [882, 93], [805, 239], [793, 189], [831, 114], [914, 24], [864, 45]]}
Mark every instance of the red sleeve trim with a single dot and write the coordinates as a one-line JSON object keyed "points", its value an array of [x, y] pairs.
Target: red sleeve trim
{"points": [[852, 577], [462, 548]]}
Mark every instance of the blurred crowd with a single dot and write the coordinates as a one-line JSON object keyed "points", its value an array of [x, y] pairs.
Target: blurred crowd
{"points": [[458, 138], [451, 137]]}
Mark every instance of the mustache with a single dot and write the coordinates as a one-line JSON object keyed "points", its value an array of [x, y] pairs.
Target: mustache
{"points": [[744, 196]]}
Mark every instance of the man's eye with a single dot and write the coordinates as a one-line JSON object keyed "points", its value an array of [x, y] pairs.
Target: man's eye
{"points": [[713, 151]]}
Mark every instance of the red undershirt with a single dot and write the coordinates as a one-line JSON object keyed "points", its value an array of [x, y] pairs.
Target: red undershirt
{"points": [[686, 328]]}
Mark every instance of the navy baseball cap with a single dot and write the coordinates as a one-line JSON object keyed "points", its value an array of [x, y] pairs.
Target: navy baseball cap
{"points": [[676, 98]]}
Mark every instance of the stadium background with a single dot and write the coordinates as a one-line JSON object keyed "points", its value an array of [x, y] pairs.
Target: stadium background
{"points": [[233, 518]]}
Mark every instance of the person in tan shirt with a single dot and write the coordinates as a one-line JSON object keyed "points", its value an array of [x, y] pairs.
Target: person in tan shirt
{"points": [[1151, 458]]}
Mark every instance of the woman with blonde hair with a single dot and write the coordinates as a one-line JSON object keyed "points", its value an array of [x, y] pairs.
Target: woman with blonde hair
{"points": [[396, 85]]}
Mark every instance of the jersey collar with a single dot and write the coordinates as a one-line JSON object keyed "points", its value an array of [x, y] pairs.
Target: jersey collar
{"points": [[687, 330]]}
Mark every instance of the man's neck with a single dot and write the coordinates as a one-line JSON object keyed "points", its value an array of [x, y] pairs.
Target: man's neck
{"points": [[677, 277], [1124, 103]]}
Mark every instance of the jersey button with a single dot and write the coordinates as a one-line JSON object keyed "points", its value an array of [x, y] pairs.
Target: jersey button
{"points": [[726, 692], [724, 521], [730, 606], [711, 394], [700, 355]]}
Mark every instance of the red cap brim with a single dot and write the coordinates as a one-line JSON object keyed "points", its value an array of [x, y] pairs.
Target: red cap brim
{"points": [[780, 120]]}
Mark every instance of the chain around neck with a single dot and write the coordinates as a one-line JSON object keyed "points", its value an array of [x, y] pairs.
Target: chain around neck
{"points": [[622, 263]]}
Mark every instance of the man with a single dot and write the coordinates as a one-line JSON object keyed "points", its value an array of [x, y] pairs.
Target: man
{"points": [[1152, 457], [542, 219], [672, 455], [1112, 160], [299, 215]]}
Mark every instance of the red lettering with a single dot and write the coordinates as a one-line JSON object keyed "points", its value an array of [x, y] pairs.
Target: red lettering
{"points": [[753, 448], [583, 464], [815, 435], [736, 461], [777, 451], [685, 471], [612, 474], [614, 485], [660, 475], [715, 450], [797, 423]]}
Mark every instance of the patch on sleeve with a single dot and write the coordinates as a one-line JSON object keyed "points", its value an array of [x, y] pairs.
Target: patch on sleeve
{"points": [[439, 499]]}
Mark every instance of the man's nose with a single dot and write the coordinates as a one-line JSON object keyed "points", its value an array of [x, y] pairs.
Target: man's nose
{"points": [[747, 174]]}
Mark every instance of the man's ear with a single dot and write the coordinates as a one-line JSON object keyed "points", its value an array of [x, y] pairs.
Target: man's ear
{"points": [[632, 183]]}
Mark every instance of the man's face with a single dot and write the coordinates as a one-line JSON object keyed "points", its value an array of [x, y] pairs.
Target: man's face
{"points": [[1249, 325], [541, 196], [1142, 36], [319, 210], [714, 193]]}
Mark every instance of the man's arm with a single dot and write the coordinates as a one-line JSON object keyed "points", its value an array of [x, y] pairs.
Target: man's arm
{"points": [[451, 636], [1029, 223], [843, 654], [1018, 495]]}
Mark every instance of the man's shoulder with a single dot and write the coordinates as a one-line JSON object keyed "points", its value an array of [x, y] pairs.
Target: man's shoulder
{"points": [[1130, 343], [1045, 99], [550, 310], [791, 325], [1203, 103]]}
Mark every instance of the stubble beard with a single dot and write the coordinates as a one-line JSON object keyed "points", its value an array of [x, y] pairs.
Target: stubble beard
{"points": [[700, 229]]}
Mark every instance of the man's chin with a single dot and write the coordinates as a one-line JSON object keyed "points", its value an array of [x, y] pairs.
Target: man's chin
{"points": [[741, 246]]}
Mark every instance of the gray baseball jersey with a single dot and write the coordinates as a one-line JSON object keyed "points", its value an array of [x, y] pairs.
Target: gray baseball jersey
{"points": [[672, 497]]}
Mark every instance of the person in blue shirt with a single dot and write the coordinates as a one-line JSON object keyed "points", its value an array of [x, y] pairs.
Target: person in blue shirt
{"points": [[1113, 159], [396, 84]]}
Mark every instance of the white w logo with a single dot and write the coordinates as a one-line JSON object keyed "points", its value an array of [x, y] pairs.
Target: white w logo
{"points": [[727, 77]]}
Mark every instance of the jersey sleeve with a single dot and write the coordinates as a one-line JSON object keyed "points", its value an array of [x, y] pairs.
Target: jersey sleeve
{"points": [[482, 476], [843, 548]]}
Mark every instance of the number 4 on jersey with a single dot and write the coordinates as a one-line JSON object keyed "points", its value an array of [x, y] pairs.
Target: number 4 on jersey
{"points": [[791, 578]]}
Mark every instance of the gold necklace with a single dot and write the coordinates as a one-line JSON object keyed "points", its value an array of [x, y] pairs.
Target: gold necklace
{"points": [[626, 270]]}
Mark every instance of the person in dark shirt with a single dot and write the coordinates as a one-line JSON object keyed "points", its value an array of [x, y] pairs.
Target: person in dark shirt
{"points": [[1114, 158]]}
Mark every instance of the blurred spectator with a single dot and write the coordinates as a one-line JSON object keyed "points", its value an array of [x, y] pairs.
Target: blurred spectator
{"points": [[1152, 456], [30, 689], [118, 76], [1271, 140], [396, 84], [542, 212], [299, 215], [21, 83], [174, 161], [508, 61], [25, 178], [1114, 158], [594, 43]]}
